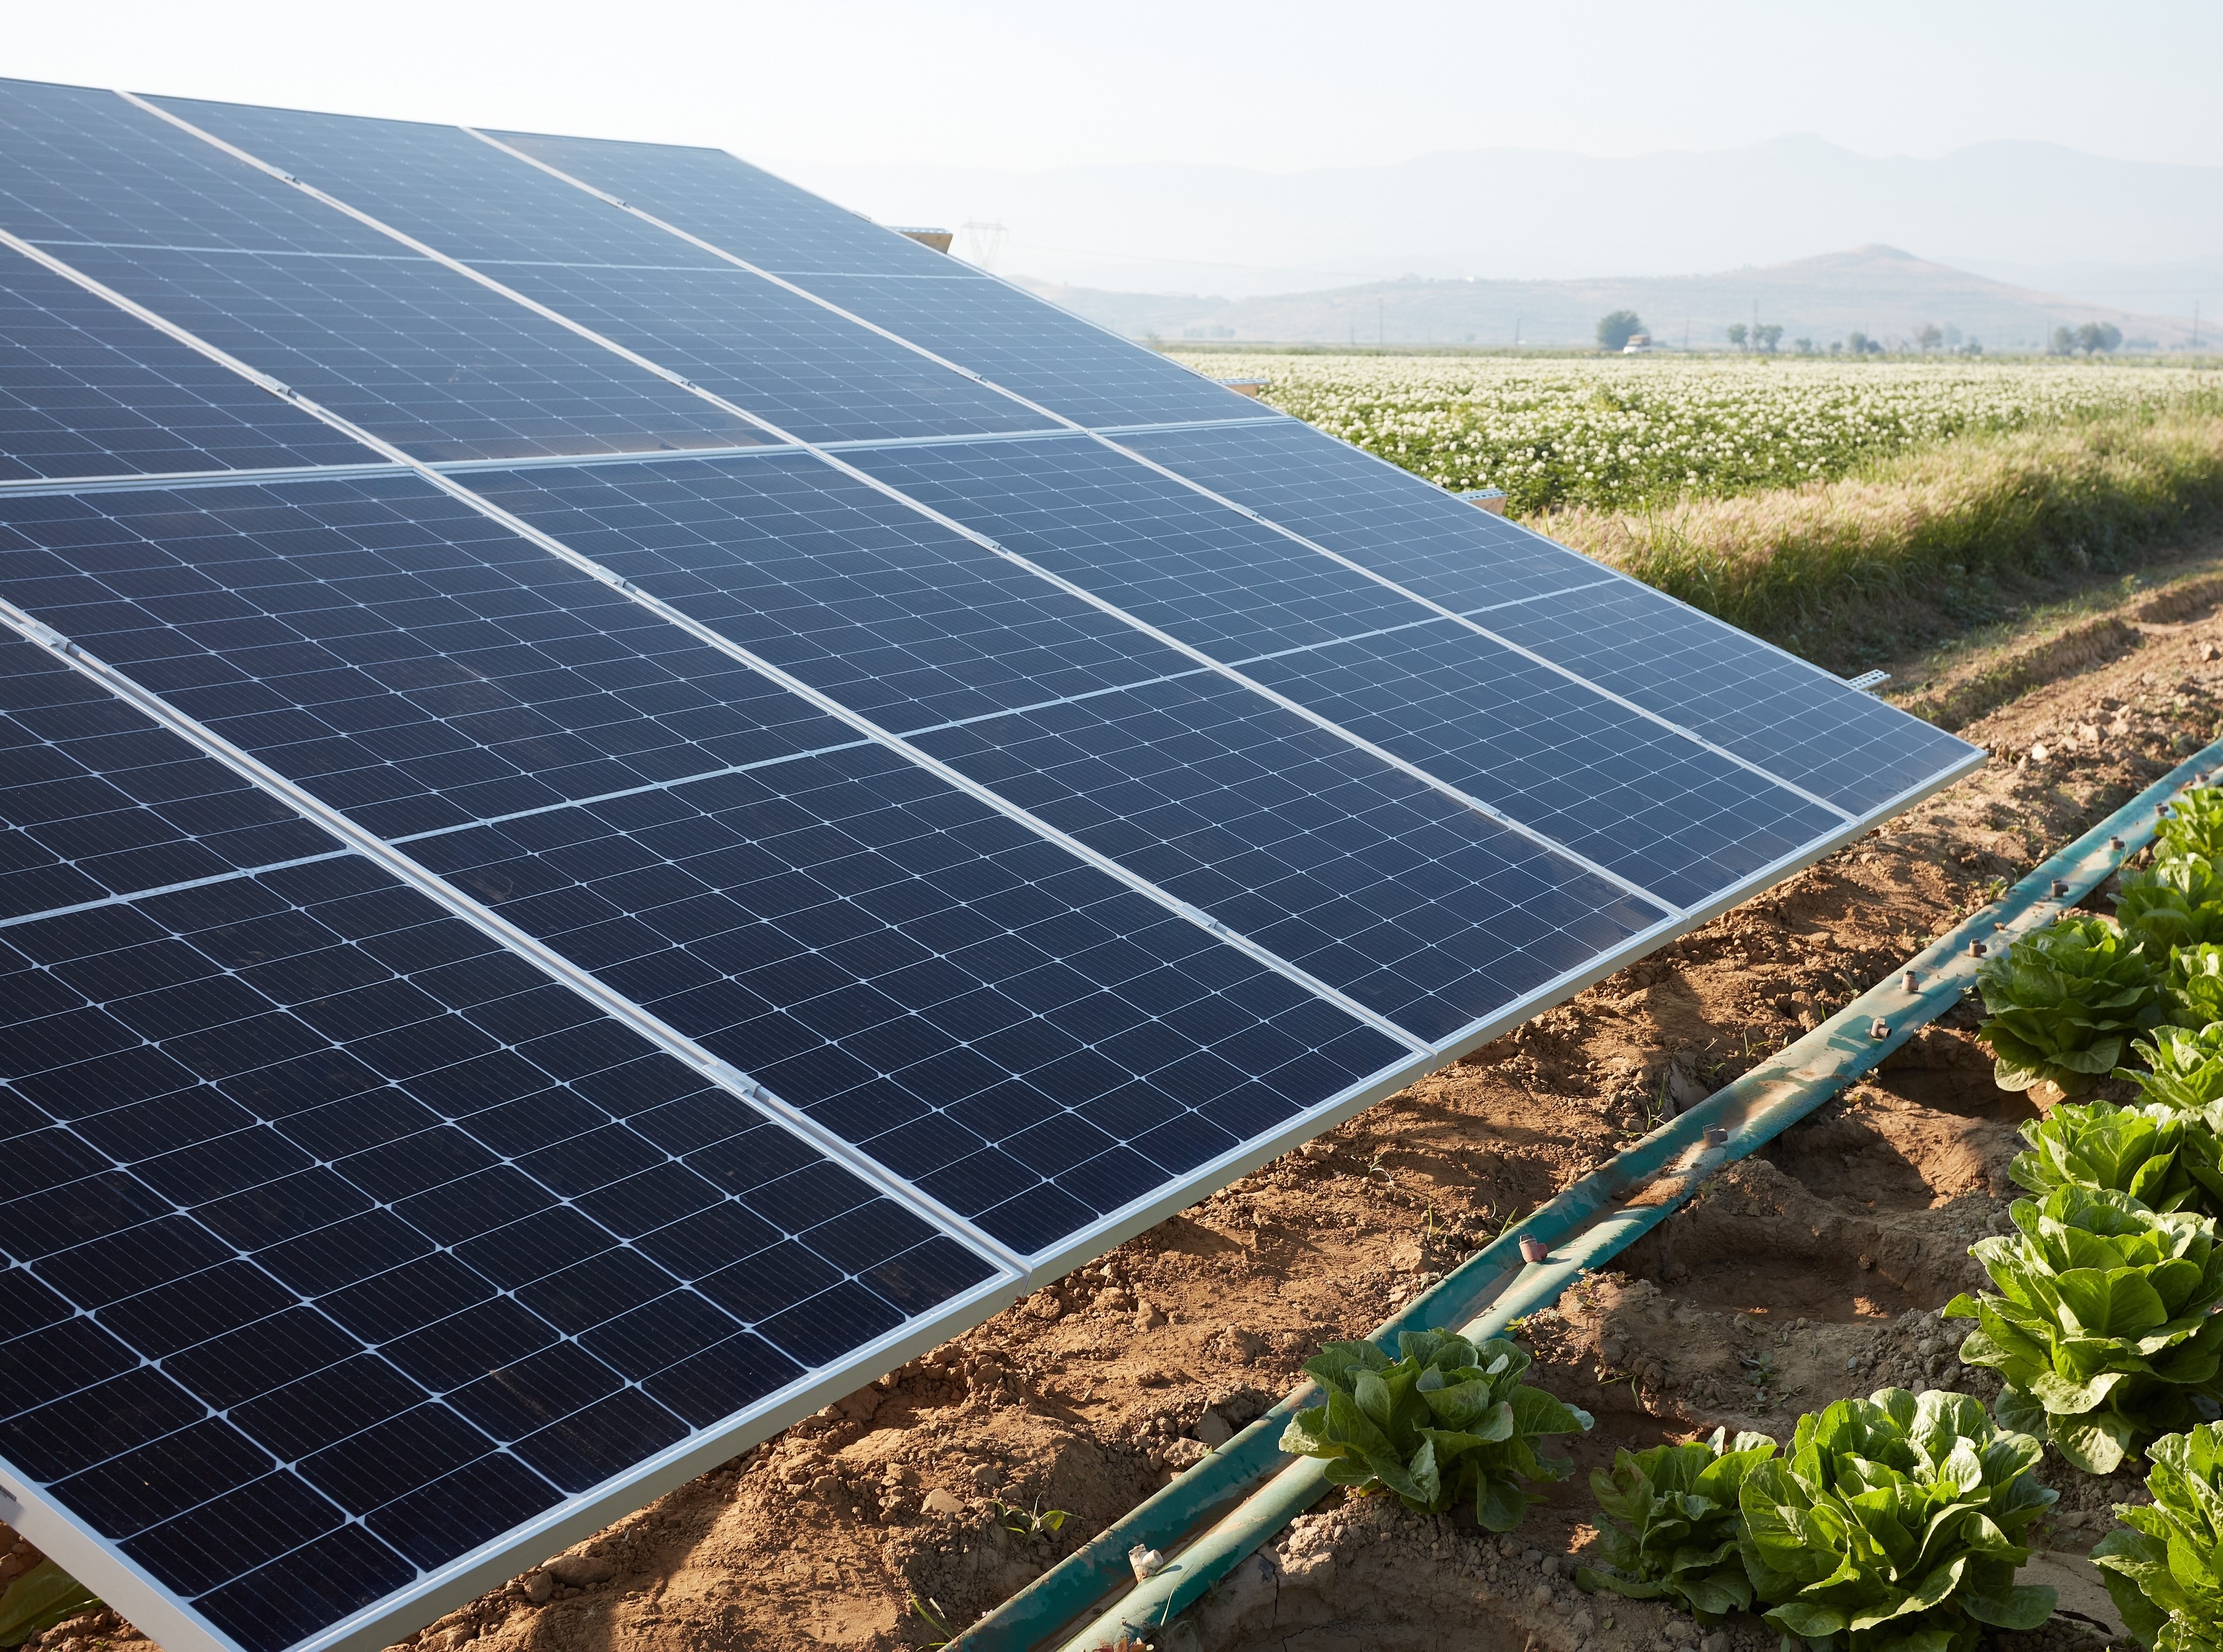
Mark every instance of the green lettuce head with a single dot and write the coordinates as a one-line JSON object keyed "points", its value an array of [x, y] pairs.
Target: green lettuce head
{"points": [[1447, 1422], [1895, 1524]]}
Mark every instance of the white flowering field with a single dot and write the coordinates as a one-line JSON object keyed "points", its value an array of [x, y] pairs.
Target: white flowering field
{"points": [[1627, 432]]}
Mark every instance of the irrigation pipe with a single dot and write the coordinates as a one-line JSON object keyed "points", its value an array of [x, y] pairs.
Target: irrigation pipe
{"points": [[1591, 1221]]}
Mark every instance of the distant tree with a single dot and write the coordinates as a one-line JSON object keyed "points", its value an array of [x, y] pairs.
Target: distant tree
{"points": [[2095, 336], [1927, 337], [1767, 338], [1617, 329], [1857, 343], [1974, 347], [2064, 342], [1736, 334], [1803, 346], [1836, 347]]}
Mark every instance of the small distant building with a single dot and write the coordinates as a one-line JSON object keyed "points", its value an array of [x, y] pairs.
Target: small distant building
{"points": [[1489, 499], [1640, 344], [937, 239], [1245, 387]]}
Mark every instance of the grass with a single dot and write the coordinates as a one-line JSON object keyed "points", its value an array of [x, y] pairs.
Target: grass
{"points": [[1641, 434], [1923, 544]]}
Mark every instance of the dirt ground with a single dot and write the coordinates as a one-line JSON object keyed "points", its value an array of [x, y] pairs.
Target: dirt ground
{"points": [[1812, 1272]]}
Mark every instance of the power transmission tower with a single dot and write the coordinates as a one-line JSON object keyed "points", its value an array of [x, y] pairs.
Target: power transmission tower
{"points": [[984, 242]]}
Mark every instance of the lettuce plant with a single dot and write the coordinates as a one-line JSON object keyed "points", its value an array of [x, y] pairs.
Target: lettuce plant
{"points": [[1445, 1421], [2163, 1565], [2138, 1151], [2192, 988], [2183, 1066], [2174, 903], [2193, 826], [1673, 1524], [2064, 1001], [1897, 1523], [2103, 1329]]}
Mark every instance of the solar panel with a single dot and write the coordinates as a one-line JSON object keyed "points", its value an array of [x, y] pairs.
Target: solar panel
{"points": [[1756, 700], [343, 1238], [787, 359], [410, 350], [1073, 367], [88, 391], [614, 822]]}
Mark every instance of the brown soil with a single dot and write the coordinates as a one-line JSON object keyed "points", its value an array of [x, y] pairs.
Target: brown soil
{"points": [[1809, 1273]]}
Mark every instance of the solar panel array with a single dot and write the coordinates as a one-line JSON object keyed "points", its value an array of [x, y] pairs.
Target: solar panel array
{"points": [[629, 797]]}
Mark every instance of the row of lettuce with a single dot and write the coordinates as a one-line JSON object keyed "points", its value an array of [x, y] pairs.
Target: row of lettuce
{"points": [[1897, 1523], [1893, 1522]]}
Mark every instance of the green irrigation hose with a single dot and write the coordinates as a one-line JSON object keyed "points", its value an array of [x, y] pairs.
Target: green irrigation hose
{"points": [[1590, 1222]]}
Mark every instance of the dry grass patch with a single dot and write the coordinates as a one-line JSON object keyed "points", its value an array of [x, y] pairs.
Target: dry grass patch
{"points": [[1927, 543]]}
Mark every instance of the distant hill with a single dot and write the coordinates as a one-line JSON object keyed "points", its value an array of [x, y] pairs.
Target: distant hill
{"points": [[2010, 209], [1877, 290]]}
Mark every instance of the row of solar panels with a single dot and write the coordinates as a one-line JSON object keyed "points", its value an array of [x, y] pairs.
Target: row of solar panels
{"points": [[630, 797]]}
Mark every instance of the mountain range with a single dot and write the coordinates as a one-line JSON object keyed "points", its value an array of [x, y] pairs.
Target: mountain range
{"points": [[1879, 291], [2118, 235]]}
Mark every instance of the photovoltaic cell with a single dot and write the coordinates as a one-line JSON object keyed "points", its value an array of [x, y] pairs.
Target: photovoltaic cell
{"points": [[806, 369], [1766, 706], [813, 373], [1065, 363], [858, 593], [84, 165], [1418, 907], [861, 597], [86, 390], [1790, 717], [345, 1241], [766, 913], [415, 353], [1429, 541], [1163, 552], [443, 186], [1658, 808], [410, 350], [994, 1020], [98, 801], [386, 645], [734, 205], [916, 625], [1048, 355]]}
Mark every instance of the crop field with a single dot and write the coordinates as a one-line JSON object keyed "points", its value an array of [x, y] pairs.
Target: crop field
{"points": [[1636, 432]]}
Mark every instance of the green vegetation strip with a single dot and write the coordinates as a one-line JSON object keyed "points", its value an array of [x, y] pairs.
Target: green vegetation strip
{"points": [[1592, 1220], [1840, 509], [1927, 541]]}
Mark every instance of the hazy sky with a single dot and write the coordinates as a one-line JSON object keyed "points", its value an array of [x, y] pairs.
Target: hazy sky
{"points": [[1276, 83]]}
